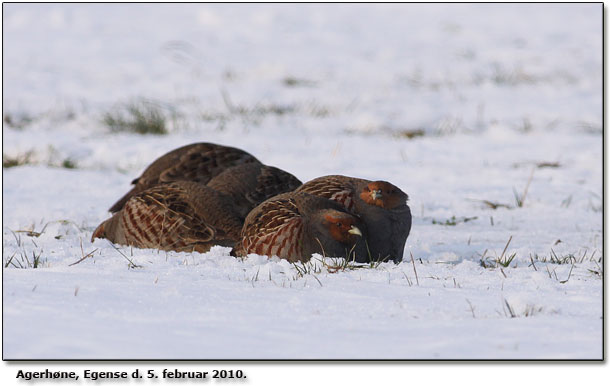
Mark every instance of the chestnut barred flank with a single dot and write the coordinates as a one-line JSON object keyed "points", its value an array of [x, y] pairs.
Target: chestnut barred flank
{"points": [[293, 226], [201, 194], [193, 198], [178, 216]]}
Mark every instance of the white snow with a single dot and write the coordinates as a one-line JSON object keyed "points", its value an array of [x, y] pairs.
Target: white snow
{"points": [[495, 89]]}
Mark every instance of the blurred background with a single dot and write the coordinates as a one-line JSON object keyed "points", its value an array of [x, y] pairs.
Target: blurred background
{"points": [[488, 115], [397, 69], [451, 102]]}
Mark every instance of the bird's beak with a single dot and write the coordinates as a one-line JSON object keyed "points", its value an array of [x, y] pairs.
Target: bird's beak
{"points": [[376, 194], [355, 231]]}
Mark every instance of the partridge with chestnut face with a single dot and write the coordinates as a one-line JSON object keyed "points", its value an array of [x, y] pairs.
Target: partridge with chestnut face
{"points": [[203, 162], [178, 216], [293, 226], [381, 205]]}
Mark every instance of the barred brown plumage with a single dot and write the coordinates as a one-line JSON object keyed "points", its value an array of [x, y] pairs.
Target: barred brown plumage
{"points": [[250, 184], [200, 162], [381, 205], [166, 206], [294, 226], [179, 216]]}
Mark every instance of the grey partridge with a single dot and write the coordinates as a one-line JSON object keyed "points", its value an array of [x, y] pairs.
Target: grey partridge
{"points": [[197, 162], [178, 216], [252, 183], [293, 226], [381, 205]]}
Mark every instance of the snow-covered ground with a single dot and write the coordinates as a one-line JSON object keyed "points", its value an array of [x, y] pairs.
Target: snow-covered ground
{"points": [[456, 104]]}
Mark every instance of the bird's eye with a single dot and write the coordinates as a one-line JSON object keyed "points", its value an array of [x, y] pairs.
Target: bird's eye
{"points": [[339, 224]]}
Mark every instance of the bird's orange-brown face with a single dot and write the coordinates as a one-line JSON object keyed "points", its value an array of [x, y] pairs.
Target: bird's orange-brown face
{"points": [[382, 194], [343, 227]]}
